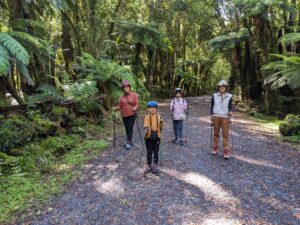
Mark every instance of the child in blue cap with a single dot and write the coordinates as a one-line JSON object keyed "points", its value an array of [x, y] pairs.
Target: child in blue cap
{"points": [[153, 124]]}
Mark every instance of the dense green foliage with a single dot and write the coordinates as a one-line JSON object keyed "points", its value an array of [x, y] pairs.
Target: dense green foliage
{"points": [[52, 48]]}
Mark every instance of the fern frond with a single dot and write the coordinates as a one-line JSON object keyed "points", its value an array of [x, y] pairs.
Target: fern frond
{"points": [[46, 93], [38, 45], [290, 38], [286, 71], [24, 72], [226, 42], [22, 24], [4, 61], [148, 34], [14, 48]]}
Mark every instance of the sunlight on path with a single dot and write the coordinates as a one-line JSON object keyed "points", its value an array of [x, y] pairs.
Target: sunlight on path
{"points": [[259, 162], [211, 189]]}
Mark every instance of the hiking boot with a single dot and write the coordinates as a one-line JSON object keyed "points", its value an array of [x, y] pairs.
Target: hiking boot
{"points": [[155, 168], [214, 150], [148, 169], [226, 153]]}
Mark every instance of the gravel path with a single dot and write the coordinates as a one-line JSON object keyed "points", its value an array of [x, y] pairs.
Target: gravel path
{"points": [[260, 186]]}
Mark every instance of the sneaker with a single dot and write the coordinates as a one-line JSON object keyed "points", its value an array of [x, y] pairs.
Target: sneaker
{"points": [[177, 140], [226, 153], [214, 150], [181, 143], [174, 140], [127, 146], [148, 169], [155, 168]]}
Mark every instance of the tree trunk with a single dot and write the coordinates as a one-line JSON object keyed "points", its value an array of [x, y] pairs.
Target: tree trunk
{"points": [[3, 100], [67, 46], [11, 89], [137, 63]]}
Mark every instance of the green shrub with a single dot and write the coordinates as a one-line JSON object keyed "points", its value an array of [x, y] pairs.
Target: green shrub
{"points": [[9, 165], [61, 144], [44, 126], [290, 126], [292, 139], [16, 131], [65, 118], [59, 110]]}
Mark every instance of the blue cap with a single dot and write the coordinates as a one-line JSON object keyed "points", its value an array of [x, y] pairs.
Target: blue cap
{"points": [[152, 104]]}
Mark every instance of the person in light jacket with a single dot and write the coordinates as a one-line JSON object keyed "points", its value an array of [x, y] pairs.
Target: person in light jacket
{"points": [[178, 107]]}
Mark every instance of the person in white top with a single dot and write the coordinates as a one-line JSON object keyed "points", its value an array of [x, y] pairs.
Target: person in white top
{"points": [[178, 107]]}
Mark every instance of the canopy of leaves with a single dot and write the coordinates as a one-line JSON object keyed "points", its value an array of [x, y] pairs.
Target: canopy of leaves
{"points": [[148, 34], [227, 42]]}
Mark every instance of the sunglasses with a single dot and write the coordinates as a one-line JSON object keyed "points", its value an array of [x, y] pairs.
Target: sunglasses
{"points": [[125, 86]]}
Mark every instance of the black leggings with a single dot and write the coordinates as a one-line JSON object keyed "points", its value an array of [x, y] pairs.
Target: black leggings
{"points": [[152, 150], [129, 123]]}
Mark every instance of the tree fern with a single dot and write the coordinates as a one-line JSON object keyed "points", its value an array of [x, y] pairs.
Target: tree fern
{"points": [[38, 45], [226, 42], [22, 68], [4, 61], [104, 71], [148, 34], [22, 24], [261, 7], [14, 48], [46, 92], [290, 38], [286, 72]]}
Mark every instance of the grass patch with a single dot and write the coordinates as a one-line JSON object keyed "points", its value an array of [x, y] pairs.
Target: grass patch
{"points": [[270, 122], [273, 123], [294, 140], [21, 192]]}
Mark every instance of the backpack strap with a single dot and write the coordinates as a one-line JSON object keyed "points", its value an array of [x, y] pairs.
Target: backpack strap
{"points": [[156, 122]]}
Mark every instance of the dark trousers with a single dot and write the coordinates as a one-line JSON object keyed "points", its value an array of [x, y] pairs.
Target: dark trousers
{"points": [[178, 129], [129, 123], [152, 149]]}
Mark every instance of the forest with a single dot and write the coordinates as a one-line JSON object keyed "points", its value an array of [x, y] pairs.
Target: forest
{"points": [[62, 62]]}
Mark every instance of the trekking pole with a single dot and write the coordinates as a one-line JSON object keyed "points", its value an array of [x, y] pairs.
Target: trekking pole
{"points": [[186, 126], [161, 150], [211, 134], [114, 121], [137, 124], [231, 136]]}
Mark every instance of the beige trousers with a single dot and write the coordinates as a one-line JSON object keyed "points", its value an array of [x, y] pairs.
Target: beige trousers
{"points": [[220, 122]]}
